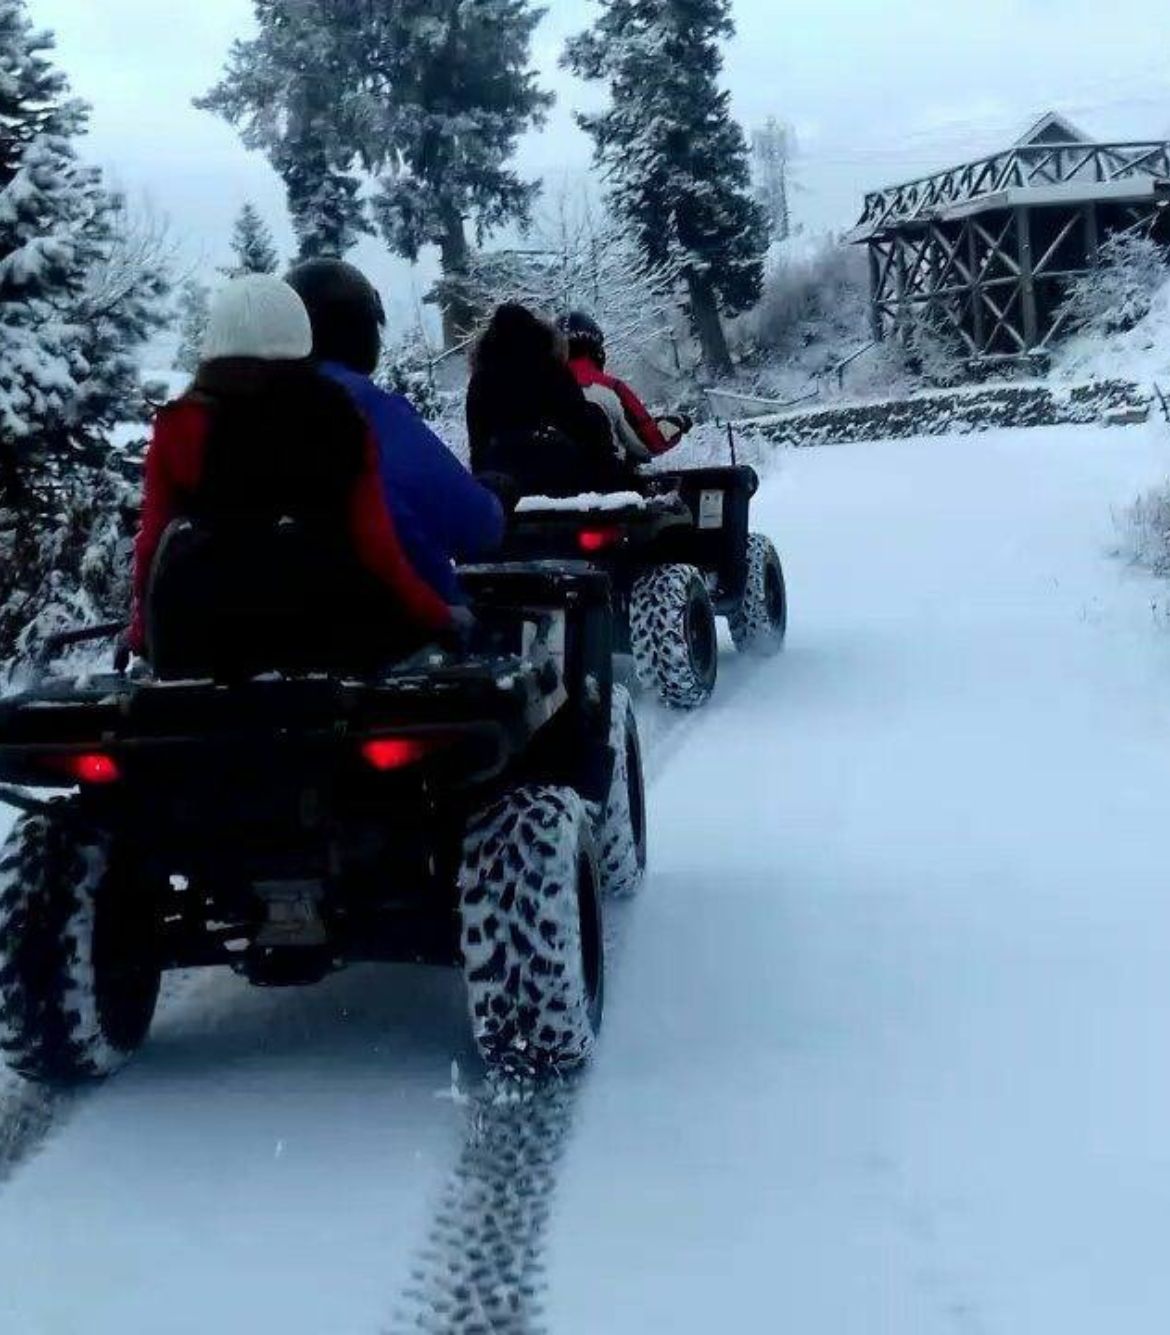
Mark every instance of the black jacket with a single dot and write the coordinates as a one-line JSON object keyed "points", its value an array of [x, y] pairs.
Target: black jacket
{"points": [[533, 423]]}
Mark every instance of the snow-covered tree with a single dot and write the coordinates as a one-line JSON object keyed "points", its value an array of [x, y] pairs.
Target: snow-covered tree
{"points": [[1119, 290], [572, 260], [73, 309], [676, 161], [423, 100], [253, 249], [772, 146], [193, 312]]}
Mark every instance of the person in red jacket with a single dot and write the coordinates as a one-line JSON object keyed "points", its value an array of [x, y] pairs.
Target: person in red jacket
{"points": [[640, 436], [261, 436]]}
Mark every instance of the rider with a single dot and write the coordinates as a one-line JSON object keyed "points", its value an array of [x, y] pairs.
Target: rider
{"points": [[260, 436], [527, 417], [641, 436], [442, 513]]}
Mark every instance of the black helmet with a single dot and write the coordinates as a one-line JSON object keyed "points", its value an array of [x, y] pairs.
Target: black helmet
{"points": [[346, 312], [586, 337]]}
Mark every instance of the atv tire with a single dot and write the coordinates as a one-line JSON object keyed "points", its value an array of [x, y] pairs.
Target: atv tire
{"points": [[79, 964], [760, 623], [621, 833], [673, 636], [533, 945]]}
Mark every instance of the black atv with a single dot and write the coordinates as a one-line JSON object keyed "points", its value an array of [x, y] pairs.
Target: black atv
{"points": [[461, 809], [680, 553]]}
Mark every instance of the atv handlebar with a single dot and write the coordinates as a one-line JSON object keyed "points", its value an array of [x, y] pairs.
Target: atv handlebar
{"points": [[56, 644]]}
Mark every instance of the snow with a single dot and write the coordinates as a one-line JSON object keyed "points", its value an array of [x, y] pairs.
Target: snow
{"points": [[590, 502], [885, 1045], [888, 1049]]}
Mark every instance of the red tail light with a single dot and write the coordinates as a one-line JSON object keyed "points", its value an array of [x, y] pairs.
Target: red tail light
{"points": [[89, 767], [391, 753], [592, 540]]}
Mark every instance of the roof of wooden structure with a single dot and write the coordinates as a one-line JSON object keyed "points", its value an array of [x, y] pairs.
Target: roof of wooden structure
{"points": [[1053, 163]]}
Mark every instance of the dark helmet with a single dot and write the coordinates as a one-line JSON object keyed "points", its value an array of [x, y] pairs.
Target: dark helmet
{"points": [[346, 312], [586, 337]]}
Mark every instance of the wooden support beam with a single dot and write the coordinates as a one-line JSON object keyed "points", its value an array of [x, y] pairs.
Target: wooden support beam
{"points": [[977, 320], [876, 323], [1023, 218]]}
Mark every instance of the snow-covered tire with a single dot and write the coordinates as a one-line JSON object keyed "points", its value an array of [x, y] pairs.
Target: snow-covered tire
{"points": [[760, 623], [533, 945], [673, 636], [621, 834], [79, 968]]}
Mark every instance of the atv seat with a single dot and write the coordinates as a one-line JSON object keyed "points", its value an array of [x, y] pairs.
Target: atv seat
{"points": [[233, 603]]}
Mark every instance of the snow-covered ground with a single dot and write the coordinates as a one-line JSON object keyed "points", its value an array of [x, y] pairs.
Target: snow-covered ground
{"points": [[886, 1038]]}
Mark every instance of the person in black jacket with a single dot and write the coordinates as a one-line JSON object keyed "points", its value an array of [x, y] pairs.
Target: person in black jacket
{"points": [[529, 422]]}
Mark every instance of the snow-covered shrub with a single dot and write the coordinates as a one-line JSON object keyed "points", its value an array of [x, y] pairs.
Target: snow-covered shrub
{"points": [[74, 568], [408, 368], [1145, 529], [1119, 292], [931, 349], [806, 295]]}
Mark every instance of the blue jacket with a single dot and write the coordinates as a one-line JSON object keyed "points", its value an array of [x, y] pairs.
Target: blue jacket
{"points": [[442, 514]]}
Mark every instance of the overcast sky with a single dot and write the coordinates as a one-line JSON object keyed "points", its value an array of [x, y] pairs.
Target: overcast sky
{"points": [[878, 92]]}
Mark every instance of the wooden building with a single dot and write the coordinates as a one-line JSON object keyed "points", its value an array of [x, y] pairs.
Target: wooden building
{"points": [[987, 249]]}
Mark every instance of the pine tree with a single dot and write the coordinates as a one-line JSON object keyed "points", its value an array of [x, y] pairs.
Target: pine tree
{"points": [[676, 161], [772, 150], [252, 246], [425, 99], [72, 312], [194, 309]]}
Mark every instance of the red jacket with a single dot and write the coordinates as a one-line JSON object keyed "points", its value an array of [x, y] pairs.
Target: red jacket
{"points": [[174, 467], [629, 416]]}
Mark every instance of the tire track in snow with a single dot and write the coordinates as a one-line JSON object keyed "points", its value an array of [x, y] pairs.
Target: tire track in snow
{"points": [[28, 1116], [481, 1271]]}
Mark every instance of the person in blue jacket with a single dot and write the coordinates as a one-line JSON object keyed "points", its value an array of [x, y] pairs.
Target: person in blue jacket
{"points": [[442, 514]]}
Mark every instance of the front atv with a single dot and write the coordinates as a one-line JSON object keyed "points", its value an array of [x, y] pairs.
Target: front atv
{"points": [[469, 812], [680, 554]]}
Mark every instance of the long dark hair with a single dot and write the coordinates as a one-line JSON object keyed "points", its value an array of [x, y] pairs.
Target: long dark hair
{"points": [[516, 337], [283, 440]]}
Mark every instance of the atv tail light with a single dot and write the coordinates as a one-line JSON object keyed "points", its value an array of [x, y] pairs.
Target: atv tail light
{"points": [[391, 753], [88, 767], [598, 539]]}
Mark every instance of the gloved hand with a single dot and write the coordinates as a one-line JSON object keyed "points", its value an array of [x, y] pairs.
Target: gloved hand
{"points": [[675, 427]]}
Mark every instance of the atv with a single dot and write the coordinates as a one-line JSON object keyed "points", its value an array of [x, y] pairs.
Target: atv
{"points": [[468, 809], [679, 553]]}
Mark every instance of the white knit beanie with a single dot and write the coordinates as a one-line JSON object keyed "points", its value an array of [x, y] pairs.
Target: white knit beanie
{"points": [[260, 317]]}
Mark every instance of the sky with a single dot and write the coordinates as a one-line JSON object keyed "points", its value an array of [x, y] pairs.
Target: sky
{"points": [[878, 92]]}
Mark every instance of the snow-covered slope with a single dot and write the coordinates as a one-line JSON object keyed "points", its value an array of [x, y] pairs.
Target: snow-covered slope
{"points": [[886, 1034], [1142, 354], [888, 1050]]}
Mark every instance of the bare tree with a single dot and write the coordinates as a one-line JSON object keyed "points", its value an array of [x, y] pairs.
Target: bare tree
{"points": [[574, 261]]}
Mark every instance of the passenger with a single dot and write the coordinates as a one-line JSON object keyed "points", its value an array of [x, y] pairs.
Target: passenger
{"points": [[261, 437], [527, 417], [443, 515], [641, 436]]}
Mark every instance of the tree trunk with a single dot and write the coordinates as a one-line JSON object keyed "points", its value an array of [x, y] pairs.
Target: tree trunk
{"points": [[708, 326], [459, 316]]}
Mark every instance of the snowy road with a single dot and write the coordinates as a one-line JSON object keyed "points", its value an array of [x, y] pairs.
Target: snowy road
{"points": [[886, 1048]]}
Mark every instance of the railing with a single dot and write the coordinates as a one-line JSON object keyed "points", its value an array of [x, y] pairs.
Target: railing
{"points": [[1031, 166]]}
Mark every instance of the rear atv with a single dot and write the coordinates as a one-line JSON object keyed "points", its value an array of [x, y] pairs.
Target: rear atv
{"points": [[679, 556], [469, 811]]}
